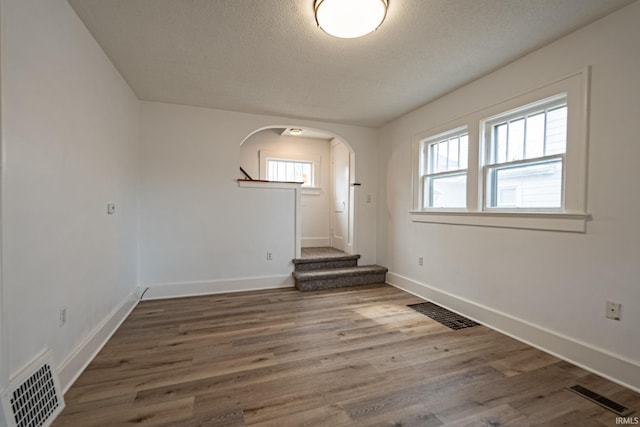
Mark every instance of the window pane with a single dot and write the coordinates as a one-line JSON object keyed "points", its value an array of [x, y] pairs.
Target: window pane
{"points": [[271, 169], [426, 158], [442, 156], [433, 158], [535, 136], [556, 131], [537, 185], [298, 172], [499, 154], [449, 191], [515, 145], [281, 172], [290, 175], [306, 174], [453, 163]]}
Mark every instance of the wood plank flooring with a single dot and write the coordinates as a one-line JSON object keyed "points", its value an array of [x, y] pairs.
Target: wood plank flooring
{"points": [[344, 357]]}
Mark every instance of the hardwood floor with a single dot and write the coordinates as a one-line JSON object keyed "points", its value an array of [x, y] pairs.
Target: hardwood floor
{"points": [[344, 357]]}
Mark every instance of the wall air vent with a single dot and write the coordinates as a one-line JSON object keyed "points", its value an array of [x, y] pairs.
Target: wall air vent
{"points": [[34, 398]]}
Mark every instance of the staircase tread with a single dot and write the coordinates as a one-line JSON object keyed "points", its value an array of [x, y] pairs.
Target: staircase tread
{"points": [[325, 259], [336, 272]]}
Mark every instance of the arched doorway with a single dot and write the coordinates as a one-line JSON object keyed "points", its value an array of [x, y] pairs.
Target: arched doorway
{"points": [[326, 163]]}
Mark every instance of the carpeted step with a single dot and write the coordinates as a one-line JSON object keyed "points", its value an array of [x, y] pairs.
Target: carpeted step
{"points": [[325, 263], [339, 277]]}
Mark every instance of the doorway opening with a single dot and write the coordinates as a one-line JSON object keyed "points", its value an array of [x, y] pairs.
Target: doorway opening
{"points": [[324, 164]]}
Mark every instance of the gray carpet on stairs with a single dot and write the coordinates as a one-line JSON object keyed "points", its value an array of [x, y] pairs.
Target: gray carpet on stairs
{"points": [[329, 268]]}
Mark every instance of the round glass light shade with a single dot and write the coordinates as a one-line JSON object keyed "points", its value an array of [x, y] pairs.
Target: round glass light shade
{"points": [[349, 19]]}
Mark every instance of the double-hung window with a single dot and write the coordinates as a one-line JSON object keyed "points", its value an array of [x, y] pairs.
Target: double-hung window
{"points": [[525, 156], [444, 169], [517, 163]]}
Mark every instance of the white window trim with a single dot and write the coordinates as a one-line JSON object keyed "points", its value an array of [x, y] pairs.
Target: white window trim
{"points": [[572, 217], [314, 190], [527, 220]]}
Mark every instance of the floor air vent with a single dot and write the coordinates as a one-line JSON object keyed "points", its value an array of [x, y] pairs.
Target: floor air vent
{"points": [[442, 315], [34, 399], [609, 404]]}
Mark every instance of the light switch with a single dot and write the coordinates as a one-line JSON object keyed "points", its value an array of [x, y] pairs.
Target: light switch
{"points": [[111, 208]]}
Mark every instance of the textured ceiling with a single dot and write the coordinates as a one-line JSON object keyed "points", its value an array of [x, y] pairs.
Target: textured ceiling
{"points": [[269, 57]]}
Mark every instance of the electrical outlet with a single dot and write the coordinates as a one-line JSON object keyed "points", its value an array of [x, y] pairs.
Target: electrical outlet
{"points": [[369, 198], [62, 316], [420, 261], [269, 256], [613, 310]]}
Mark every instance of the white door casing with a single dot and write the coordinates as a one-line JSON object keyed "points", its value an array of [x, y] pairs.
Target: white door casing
{"points": [[342, 197]]}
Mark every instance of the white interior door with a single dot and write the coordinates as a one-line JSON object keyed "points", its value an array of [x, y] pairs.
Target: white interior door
{"points": [[342, 205]]}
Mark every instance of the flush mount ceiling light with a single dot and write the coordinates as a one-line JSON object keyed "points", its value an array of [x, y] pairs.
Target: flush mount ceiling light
{"points": [[295, 132], [349, 19]]}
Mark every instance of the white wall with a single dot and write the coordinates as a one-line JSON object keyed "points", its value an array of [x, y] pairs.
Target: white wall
{"points": [[315, 206], [536, 284], [198, 230], [69, 141]]}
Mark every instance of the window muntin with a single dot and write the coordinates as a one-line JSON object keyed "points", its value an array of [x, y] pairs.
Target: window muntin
{"points": [[444, 169], [526, 154], [286, 170]]}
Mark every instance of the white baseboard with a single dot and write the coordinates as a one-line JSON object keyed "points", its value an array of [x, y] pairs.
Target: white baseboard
{"points": [[315, 242], [207, 287], [602, 362], [71, 368]]}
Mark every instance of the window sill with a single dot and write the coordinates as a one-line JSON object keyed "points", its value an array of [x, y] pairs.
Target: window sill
{"points": [[575, 223]]}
